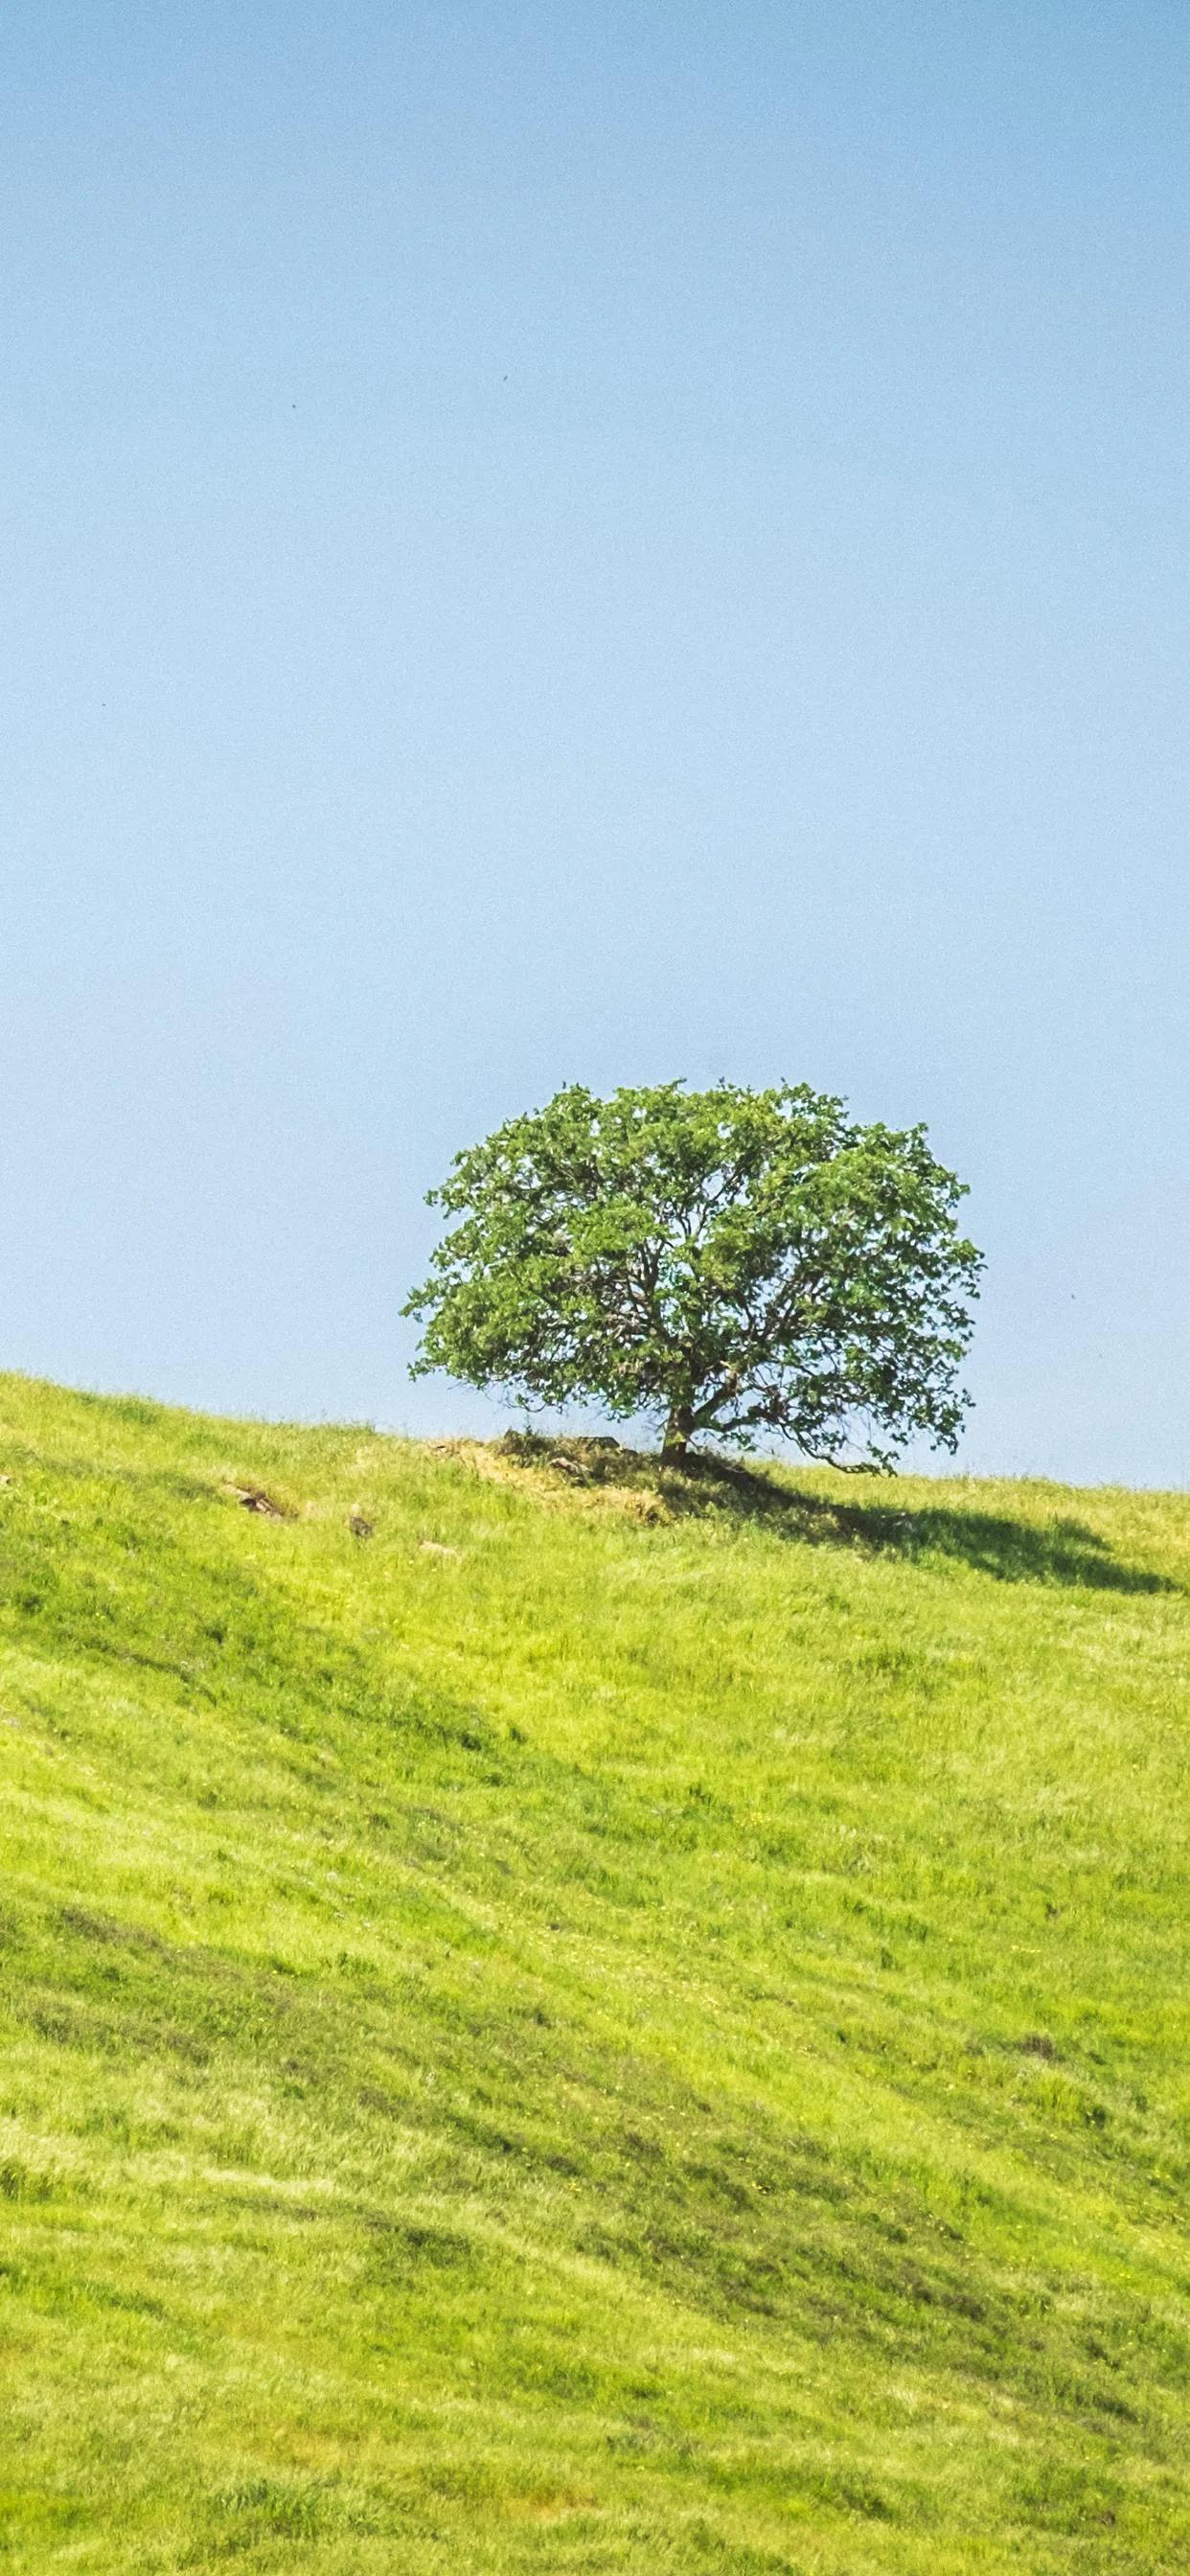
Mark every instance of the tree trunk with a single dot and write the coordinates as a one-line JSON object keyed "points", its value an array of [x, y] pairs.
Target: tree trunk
{"points": [[677, 1435]]}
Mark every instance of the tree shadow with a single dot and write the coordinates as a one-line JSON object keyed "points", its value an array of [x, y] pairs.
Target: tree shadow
{"points": [[1061, 1551]]}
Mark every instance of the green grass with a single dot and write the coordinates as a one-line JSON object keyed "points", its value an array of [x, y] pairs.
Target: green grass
{"points": [[630, 2023]]}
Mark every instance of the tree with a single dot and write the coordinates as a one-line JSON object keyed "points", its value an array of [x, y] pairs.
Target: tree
{"points": [[734, 1262]]}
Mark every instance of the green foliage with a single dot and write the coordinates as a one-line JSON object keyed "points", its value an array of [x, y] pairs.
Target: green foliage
{"points": [[627, 2021], [737, 1262]]}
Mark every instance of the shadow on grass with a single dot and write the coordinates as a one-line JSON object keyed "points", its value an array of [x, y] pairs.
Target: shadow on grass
{"points": [[1061, 1551]]}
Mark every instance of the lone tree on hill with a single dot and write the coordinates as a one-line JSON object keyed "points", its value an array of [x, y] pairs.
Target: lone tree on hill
{"points": [[737, 1262]]}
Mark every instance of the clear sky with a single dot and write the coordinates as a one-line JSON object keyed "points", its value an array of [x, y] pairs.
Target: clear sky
{"points": [[589, 542]]}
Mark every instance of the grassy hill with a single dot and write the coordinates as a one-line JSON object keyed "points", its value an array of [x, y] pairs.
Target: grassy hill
{"points": [[588, 2021]]}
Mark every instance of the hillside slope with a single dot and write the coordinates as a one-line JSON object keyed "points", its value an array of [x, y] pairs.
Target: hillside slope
{"points": [[584, 2022]]}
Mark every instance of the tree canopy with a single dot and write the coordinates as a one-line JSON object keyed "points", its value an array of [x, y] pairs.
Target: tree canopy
{"points": [[735, 1263]]}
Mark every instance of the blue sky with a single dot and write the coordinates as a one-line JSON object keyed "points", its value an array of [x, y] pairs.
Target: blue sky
{"points": [[590, 543]]}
